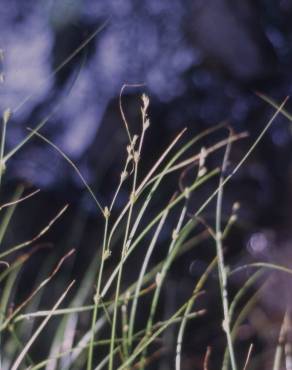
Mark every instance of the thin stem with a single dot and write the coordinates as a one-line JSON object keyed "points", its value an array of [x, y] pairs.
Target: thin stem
{"points": [[140, 279], [160, 277], [221, 264], [5, 119], [25, 350], [187, 311], [97, 294], [120, 271], [65, 62]]}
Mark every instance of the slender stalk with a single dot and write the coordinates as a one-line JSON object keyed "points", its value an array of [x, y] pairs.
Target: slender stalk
{"points": [[64, 62], [240, 318], [160, 277], [5, 299], [145, 343], [135, 155], [184, 247], [73, 165], [187, 311], [10, 211], [25, 350], [281, 342], [35, 238], [97, 294], [141, 276], [5, 119], [221, 264], [269, 266], [120, 270]]}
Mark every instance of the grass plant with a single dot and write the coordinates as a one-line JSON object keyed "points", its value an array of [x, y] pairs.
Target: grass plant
{"points": [[101, 329]]}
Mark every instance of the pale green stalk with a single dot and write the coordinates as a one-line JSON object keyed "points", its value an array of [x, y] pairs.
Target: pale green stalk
{"points": [[4, 324], [274, 104], [34, 239], [44, 120], [5, 299], [133, 197], [269, 266], [25, 350], [73, 165], [97, 294], [125, 320], [9, 212], [120, 269], [65, 62], [142, 332], [19, 346], [281, 341], [141, 276], [240, 318], [144, 344], [82, 344], [160, 277], [187, 311], [221, 264], [233, 306], [5, 119], [242, 291]]}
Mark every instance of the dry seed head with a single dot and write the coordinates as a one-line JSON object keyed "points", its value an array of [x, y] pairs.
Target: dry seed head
{"points": [[133, 197], [203, 156], [6, 115], [127, 296], [134, 141], [2, 77], [107, 253], [2, 166], [219, 235], [145, 100], [106, 212], [202, 171], [225, 325], [187, 193], [96, 298], [233, 219], [136, 156], [124, 175], [129, 151], [235, 207], [174, 235], [146, 123], [158, 278], [202, 160], [125, 251]]}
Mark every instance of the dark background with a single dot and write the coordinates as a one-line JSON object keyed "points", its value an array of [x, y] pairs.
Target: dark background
{"points": [[200, 62]]}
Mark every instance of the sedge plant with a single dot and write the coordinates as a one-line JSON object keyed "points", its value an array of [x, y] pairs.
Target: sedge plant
{"points": [[96, 318]]}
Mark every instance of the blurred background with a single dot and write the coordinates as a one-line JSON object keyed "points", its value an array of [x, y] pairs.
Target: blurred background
{"points": [[201, 63]]}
